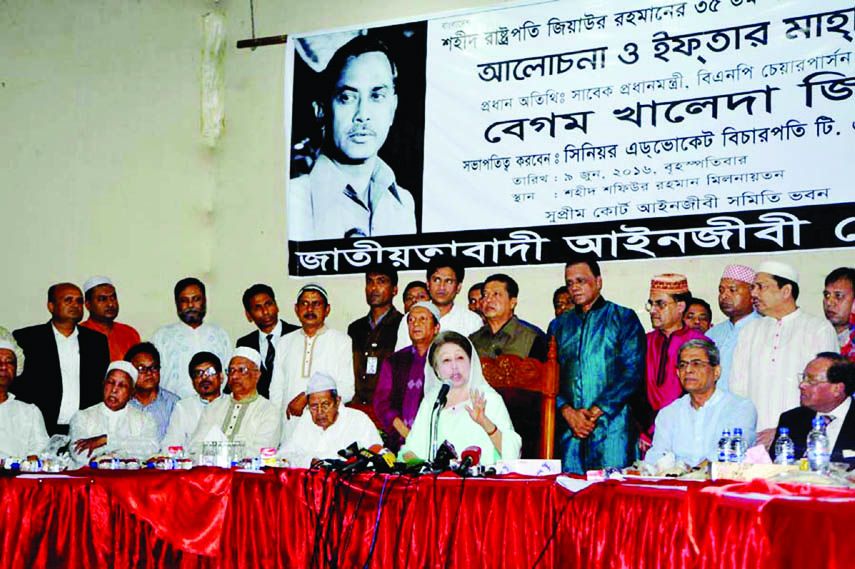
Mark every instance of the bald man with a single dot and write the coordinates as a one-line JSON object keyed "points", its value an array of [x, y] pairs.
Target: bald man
{"points": [[65, 362]]}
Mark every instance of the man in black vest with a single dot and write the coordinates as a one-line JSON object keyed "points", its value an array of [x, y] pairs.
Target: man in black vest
{"points": [[374, 335], [825, 390], [260, 306], [65, 362]]}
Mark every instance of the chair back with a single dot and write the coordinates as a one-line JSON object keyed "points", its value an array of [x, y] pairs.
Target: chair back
{"points": [[529, 374]]}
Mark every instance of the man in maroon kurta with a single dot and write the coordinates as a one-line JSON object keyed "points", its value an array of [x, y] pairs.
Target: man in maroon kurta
{"points": [[402, 376], [669, 294]]}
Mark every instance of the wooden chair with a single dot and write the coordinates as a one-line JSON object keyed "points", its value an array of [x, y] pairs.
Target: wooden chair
{"points": [[529, 374]]}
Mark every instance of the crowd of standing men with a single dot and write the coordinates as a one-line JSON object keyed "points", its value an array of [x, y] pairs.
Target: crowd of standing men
{"points": [[623, 393]]}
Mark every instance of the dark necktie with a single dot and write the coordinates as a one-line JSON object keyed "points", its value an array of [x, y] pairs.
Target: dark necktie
{"points": [[271, 353]]}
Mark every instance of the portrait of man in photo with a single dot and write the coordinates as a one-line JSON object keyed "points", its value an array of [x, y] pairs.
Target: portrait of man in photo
{"points": [[340, 186]]}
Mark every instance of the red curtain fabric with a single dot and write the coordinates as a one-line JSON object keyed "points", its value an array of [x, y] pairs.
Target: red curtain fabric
{"points": [[217, 518]]}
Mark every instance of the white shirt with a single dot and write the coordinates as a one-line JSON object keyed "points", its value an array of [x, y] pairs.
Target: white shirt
{"points": [[311, 441], [833, 428], [324, 205], [130, 432], [182, 423], [275, 334], [178, 343], [726, 336], [298, 356], [843, 337], [68, 349], [459, 319], [22, 428], [693, 434], [255, 423], [769, 355], [458, 428]]}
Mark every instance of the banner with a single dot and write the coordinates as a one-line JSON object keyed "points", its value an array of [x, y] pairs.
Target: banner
{"points": [[521, 135]]}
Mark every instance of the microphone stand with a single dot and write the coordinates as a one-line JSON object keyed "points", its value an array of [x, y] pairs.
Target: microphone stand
{"points": [[433, 445]]}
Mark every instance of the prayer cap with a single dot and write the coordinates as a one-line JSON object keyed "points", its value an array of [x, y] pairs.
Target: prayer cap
{"points": [[92, 282], [739, 273], [320, 382], [7, 342], [248, 353], [669, 283], [314, 287], [124, 366], [429, 306], [779, 269]]}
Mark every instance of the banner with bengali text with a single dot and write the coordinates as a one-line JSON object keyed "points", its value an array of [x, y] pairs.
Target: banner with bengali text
{"points": [[624, 130]]}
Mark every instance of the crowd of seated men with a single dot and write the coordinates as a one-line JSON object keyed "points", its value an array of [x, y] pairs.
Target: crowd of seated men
{"points": [[307, 390]]}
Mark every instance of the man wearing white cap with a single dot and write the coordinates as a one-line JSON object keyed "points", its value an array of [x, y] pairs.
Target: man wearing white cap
{"points": [[312, 348], [103, 306], [734, 300], [328, 427], [112, 427], [402, 376], [244, 415], [65, 362], [22, 427], [773, 350]]}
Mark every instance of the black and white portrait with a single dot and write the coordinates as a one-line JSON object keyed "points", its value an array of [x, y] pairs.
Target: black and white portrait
{"points": [[357, 134]]}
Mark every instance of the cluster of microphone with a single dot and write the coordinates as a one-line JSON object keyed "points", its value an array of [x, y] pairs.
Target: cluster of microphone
{"points": [[377, 458]]}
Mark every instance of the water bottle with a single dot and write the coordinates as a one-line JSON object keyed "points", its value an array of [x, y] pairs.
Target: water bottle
{"points": [[737, 447], [785, 451], [724, 445], [818, 450]]}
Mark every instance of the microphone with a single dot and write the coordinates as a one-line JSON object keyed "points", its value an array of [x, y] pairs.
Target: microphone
{"points": [[443, 394], [412, 466], [363, 458], [351, 451], [383, 460], [444, 456], [470, 457]]}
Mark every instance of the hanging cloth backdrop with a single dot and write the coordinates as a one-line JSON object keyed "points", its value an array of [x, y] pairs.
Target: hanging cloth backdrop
{"points": [[626, 130]]}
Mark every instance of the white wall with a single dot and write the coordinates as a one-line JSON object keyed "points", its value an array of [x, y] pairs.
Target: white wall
{"points": [[104, 169]]}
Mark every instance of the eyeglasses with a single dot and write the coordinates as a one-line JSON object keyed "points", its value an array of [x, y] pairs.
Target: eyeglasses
{"points": [[323, 407], [207, 372], [683, 365], [148, 369], [657, 304], [242, 370], [809, 381]]}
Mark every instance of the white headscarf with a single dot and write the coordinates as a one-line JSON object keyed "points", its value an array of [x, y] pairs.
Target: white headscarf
{"points": [[476, 376]]}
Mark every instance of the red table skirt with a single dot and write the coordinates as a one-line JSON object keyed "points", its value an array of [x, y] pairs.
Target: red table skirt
{"points": [[209, 517]]}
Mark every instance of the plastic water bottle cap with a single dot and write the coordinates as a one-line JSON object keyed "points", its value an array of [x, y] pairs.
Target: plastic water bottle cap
{"points": [[784, 431]]}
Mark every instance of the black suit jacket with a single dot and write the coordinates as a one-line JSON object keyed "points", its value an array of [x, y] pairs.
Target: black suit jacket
{"points": [[799, 421], [41, 382], [251, 341]]}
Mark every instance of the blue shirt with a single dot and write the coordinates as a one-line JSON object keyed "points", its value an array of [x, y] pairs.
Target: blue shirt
{"points": [[693, 434], [160, 409], [725, 336]]}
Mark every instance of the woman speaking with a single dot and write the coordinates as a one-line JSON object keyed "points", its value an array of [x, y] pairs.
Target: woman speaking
{"points": [[473, 413]]}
